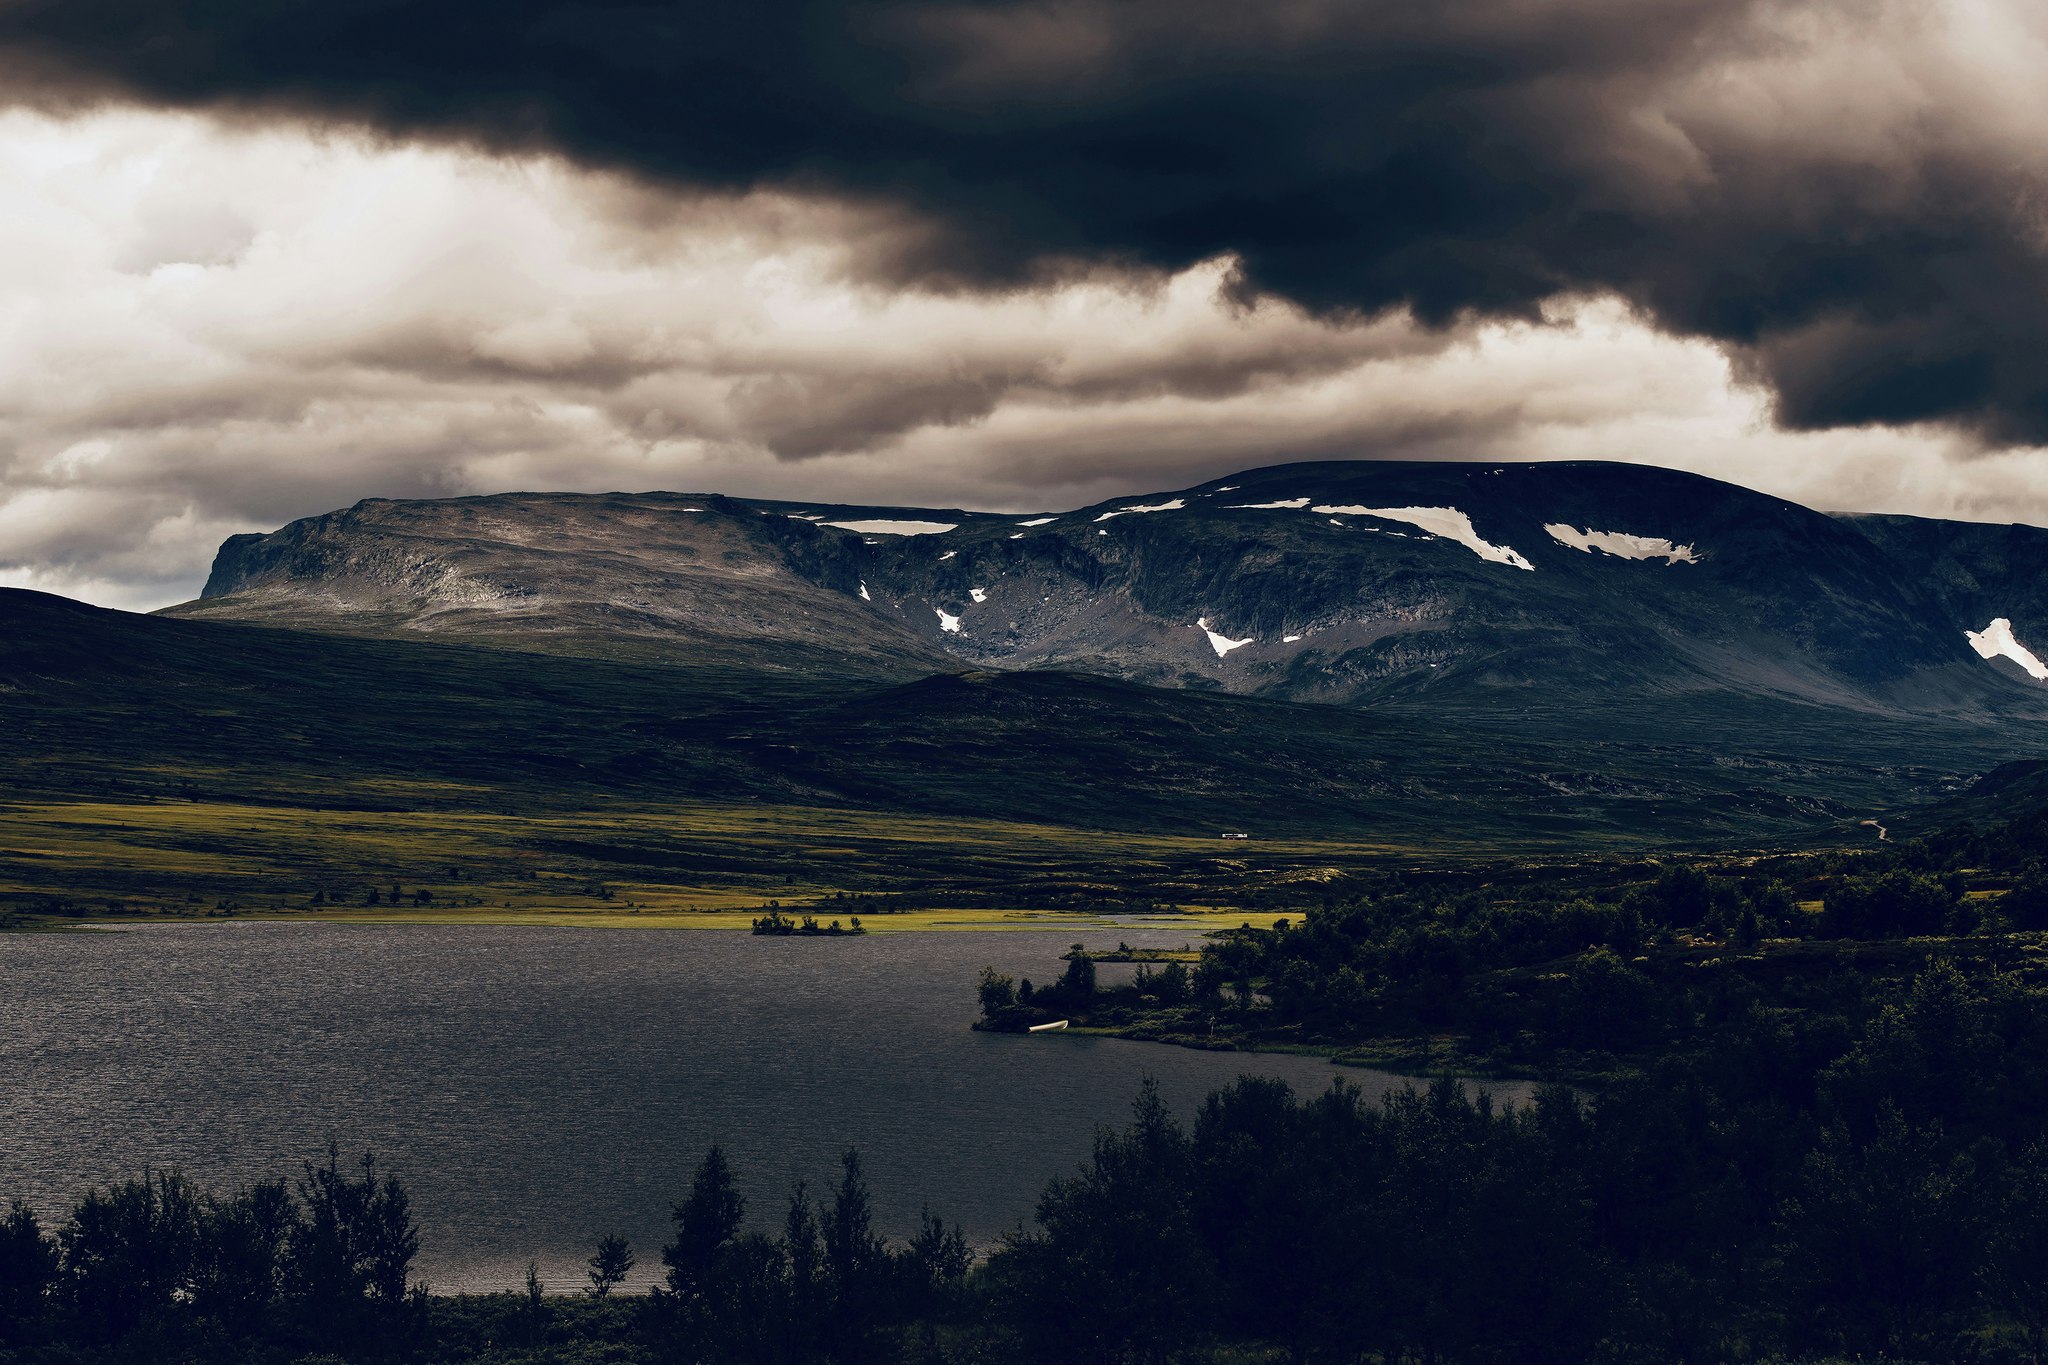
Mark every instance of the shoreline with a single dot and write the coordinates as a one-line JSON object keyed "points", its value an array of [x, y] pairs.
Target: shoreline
{"points": [[1399, 1063], [1199, 923]]}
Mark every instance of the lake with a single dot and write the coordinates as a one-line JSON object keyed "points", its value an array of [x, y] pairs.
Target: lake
{"points": [[537, 1087]]}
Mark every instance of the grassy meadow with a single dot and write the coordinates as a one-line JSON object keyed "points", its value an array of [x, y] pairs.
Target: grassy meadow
{"points": [[624, 864]]}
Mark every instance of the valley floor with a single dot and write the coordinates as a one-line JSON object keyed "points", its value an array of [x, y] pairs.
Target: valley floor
{"points": [[680, 866]]}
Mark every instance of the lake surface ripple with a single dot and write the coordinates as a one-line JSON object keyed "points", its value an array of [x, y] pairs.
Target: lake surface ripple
{"points": [[537, 1087]]}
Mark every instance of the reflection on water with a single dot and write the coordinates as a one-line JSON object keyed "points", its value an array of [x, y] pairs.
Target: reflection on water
{"points": [[537, 1087]]}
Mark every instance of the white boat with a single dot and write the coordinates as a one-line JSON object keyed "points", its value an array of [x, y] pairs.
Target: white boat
{"points": [[1054, 1027]]}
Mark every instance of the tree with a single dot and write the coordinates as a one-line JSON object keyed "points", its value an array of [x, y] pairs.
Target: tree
{"points": [[1606, 1002], [936, 1264], [752, 1296], [1172, 985], [854, 1257], [929, 1282], [1079, 976], [1680, 896], [609, 1265], [997, 991], [706, 1224], [1116, 1272], [535, 1308], [28, 1273], [1936, 1054], [129, 1254], [392, 1240], [1883, 1240], [805, 1258], [241, 1256], [1893, 905], [1275, 1212], [2026, 905], [2016, 1251], [697, 1287], [348, 1260]]}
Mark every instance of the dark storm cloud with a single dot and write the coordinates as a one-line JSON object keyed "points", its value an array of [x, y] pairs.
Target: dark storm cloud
{"points": [[1792, 180]]}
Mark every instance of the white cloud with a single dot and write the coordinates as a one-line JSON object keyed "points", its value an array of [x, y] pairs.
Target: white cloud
{"points": [[205, 330]]}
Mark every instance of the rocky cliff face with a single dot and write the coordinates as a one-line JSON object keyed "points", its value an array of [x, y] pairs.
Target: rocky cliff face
{"points": [[641, 576], [1531, 584]]}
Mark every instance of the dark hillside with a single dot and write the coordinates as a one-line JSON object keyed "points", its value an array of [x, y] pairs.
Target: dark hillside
{"points": [[103, 702]]}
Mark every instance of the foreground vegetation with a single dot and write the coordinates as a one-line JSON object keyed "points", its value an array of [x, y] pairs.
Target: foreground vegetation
{"points": [[1583, 971]]}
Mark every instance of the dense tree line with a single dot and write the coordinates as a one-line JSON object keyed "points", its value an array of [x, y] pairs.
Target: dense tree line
{"points": [[154, 1268], [1817, 1185], [1577, 973]]}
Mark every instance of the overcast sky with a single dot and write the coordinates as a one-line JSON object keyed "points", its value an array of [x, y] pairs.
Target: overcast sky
{"points": [[261, 259]]}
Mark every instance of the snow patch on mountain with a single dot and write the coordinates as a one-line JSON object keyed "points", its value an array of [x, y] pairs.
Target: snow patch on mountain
{"points": [[1447, 522], [978, 594], [948, 621], [896, 528], [1172, 506], [1222, 644], [1038, 521], [1284, 505], [864, 593], [1997, 640], [1622, 545]]}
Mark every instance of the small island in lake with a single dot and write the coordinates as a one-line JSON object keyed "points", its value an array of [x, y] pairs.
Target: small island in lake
{"points": [[777, 923]]}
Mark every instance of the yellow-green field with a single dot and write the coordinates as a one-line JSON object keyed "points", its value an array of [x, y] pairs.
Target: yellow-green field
{"points": [[678, 866], [1197, 922]]}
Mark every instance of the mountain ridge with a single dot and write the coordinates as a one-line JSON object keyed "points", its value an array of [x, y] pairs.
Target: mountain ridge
{"points": [[1342, 582]]}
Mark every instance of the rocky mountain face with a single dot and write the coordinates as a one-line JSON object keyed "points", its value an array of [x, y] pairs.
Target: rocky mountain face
{"points": [[642, 576], [1347, 582], [1991, 579]]}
